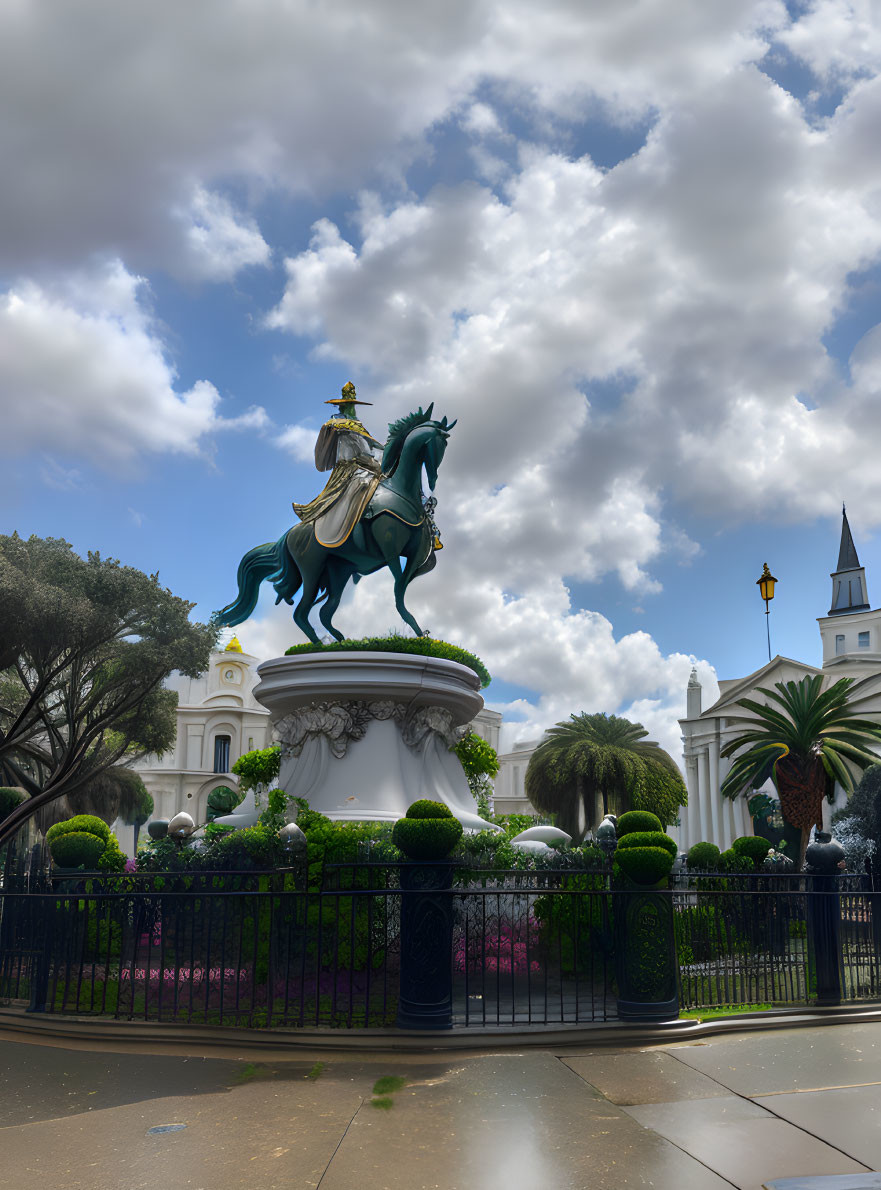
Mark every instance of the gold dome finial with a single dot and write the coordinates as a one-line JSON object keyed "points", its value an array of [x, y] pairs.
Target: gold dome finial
{"points": [[233, 646]]}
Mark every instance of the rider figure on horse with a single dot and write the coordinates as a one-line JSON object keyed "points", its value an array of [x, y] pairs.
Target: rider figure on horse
{"points": [[345, 448]]}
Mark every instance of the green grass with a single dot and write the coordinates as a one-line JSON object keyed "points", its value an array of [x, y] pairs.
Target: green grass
{"points": [[389, 1084], [383, 1104], [251, 1071], [708, 1014], [316, 1071]]}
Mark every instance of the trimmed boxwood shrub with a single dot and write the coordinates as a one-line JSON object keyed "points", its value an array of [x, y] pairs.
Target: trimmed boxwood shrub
{"points": [[638, 820], [649, 839], [428, 809], [731, 862], [704, 856], [80, 822], [77, 849], [644, 865], [10, 797], [112, 857], [428, 831], [752, 847], [423, 646]]}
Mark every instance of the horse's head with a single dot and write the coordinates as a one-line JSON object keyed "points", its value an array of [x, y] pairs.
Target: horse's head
{"points": [[435, 446], [420, 438]]}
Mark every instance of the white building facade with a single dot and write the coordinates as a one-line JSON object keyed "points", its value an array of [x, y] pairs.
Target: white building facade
{"points": [[851, 638], [218, 719]]}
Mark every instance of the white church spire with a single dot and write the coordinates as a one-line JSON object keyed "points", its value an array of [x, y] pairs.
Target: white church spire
{"points": [[849, 592]]}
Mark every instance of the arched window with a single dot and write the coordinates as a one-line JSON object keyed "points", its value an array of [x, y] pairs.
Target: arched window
{"points": [[221, 753]]}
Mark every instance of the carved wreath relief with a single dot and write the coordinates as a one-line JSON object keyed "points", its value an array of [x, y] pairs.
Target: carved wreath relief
{"points": [[342, 722]]}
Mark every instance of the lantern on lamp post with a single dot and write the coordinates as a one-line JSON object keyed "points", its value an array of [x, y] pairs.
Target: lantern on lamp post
{"points": [[765, 583]]}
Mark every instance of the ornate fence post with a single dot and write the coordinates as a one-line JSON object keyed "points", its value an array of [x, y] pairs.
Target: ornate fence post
{"points": [[645, 954], [426, 977], [824, 915]]}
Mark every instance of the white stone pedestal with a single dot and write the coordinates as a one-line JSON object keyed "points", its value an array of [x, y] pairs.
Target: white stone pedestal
{"points": [[363, 735]]}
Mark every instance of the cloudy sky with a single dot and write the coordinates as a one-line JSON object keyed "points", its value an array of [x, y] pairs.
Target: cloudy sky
{"points": [[633, 247]]}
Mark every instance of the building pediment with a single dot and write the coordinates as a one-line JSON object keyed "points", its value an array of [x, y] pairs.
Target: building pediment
{"points": [[780, 669]]}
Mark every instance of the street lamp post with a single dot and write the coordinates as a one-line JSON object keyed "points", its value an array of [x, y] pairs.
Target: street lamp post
{"points": [[765, 583]]}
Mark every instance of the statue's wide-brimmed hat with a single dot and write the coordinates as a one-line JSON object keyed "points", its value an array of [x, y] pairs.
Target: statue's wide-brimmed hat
{"points": [[348, 397]]}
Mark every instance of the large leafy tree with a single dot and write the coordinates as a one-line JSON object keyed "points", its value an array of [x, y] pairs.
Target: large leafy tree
{"points": [[806, 738], [598, 764], [85, 644]]}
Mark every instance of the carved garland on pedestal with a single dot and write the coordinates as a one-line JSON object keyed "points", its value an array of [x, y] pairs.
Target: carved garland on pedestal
{"points": [[342, 722]]}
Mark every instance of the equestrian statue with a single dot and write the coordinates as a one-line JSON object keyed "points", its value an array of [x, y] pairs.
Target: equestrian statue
{"points": [[368, 516]]}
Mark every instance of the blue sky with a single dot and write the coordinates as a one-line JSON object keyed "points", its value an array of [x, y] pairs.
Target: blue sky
{"points": [[633, 248]]}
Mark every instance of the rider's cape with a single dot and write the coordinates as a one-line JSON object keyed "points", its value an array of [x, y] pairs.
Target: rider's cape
{"points": [[336, 510]]}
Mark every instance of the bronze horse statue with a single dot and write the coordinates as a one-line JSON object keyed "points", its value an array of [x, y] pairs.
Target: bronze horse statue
{"points": [[394, 531]]}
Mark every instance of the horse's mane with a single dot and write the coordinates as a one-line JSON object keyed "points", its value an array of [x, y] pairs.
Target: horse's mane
{"points": [[397, 433]]}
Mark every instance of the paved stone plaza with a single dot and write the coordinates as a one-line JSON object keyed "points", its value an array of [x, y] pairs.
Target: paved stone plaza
{"points": [[738, 1110]]}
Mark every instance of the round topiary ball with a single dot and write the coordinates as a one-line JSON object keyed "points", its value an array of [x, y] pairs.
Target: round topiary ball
{"points": [[753, 848], [87, 823], [428, 809], [703, 856], [644, 865], [649, 839], [638, 820], [77, 849], [427, 838]]}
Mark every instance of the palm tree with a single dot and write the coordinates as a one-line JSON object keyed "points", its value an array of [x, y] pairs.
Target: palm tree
{"points": [[810, 744], [592, 765]]}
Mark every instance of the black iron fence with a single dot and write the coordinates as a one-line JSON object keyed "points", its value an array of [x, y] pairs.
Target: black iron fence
{"points": [[425, 945]]}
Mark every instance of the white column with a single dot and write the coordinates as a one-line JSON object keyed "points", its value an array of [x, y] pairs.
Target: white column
{"points": [[687, 833], [742, 822], [703, 763], [715, 798]]}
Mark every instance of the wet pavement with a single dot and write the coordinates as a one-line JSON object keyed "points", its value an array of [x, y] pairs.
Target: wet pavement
{"points": [[739, 1110]]}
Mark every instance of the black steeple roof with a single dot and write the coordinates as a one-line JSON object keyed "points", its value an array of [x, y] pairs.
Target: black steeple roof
{"points": [[847, 553]]}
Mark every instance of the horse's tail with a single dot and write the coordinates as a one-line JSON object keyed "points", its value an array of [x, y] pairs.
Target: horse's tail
{"points": [[270, 561]]}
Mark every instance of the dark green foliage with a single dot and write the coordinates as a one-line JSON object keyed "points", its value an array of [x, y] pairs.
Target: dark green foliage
{"points": [[421, 645], [214, 831], [477, 756], [704, 932], [112, 857], [487, 849], [644, 865], [648, 839], [258, 767], [77, 850], [85, 645], [222, 801], [480, 762], [753, 848], [863, 809], [80, 822], [241, 850], [597, 764], [10, 797], [703, 856], [729, 861], [428, 809], [576, 928], [637, 820], [427, 838]]}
